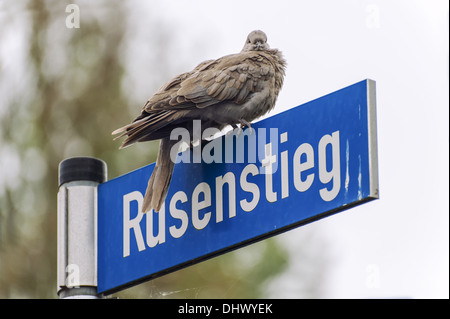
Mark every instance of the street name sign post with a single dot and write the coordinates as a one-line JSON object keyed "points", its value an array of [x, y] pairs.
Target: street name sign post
{"points": [[293, 168]]}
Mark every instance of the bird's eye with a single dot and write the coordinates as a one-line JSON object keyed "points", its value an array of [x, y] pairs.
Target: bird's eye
{"points": [[248, 41]]}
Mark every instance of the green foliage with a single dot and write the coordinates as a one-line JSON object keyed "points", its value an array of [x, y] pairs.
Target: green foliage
{"points": [[71, 91], [67, 100]]}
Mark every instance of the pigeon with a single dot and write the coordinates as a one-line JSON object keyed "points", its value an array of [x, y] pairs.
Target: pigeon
{"points": [[234, 89]]}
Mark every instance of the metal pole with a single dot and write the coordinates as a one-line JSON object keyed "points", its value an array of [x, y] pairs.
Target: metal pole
{"points": [[77, 226]]}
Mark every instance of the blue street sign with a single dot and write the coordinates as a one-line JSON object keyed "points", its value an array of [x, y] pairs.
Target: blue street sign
{"points": [[296, 167]]}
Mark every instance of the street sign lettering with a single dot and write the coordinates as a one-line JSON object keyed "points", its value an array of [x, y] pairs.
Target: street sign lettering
{"points": [[200, 200]]}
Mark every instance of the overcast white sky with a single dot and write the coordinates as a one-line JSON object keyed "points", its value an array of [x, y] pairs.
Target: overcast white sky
{"points": [[395, 247]]}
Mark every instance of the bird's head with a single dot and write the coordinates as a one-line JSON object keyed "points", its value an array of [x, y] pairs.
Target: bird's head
{"points": [[256, 41]]}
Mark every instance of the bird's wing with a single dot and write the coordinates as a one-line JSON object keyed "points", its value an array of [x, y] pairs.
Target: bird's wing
{"points": [[154, 113], [166, 97], [233, 77]]}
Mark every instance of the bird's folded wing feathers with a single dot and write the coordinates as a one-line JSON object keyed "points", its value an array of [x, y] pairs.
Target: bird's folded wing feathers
{"points": [[232, 77], [139, 128]]}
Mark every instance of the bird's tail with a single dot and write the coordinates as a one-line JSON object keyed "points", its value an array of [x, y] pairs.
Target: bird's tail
{"points": [[159, 182]]}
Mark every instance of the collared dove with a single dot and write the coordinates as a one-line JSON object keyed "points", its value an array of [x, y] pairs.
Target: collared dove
{"points": [[234, 89]]}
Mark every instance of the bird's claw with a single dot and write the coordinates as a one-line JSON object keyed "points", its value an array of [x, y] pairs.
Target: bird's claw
{"points": [[245, 123]]}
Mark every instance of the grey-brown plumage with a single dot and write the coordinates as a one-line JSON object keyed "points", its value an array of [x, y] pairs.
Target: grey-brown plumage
{"points": [[234, 89]]}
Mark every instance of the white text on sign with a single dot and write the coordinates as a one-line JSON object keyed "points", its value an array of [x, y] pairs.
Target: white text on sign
{"points": [[203, 212]]}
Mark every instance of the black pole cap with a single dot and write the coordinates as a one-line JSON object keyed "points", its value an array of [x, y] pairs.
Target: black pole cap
{"points": [[82, 169]]}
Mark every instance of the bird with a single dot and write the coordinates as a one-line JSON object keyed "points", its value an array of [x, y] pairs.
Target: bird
{"points": [[234, 89]]}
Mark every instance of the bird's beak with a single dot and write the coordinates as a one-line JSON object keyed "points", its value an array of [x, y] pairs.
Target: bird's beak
{"points": [[258, 45]]}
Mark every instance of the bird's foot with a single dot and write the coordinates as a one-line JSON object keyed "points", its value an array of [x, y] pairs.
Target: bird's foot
{"points": [[245, 123], [231, 132], [235, 131]]}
